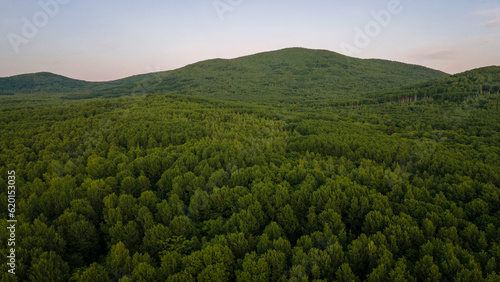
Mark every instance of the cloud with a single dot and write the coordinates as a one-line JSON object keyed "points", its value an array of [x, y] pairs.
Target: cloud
{"points": [[488, 12], [493, 23], [432, 55], [492, 14]]}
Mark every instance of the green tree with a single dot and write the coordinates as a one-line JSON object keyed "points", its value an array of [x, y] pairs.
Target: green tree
{"points": [[49, 267], [182, 226], [149, 200], [171, 262], [298, 274], [289, 221], [118, 261], [344, 273], [276, 261], [184, 186], [400, 272], [238, 244], [199, 205], [129, 186], [254, 269], [167, 210], [127, 234], [98, 167], [94, 272], [214, 272], [426, 270], [155, 238], [144, 272], [145, 218], [83, 241]]}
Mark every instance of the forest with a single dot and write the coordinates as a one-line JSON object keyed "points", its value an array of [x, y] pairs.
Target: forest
{"points": [[397, 182]]}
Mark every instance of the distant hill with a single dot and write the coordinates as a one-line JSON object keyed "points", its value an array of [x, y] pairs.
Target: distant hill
{"points": [[287, 75], [46, 82], [451, 88], [40, 82]]}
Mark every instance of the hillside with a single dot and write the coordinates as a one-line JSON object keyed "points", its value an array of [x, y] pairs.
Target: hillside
{"points": [[452, 88], [41, 82], [50, 83], [288, 75]]}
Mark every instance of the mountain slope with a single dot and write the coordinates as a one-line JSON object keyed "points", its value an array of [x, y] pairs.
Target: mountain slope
{"points": [[46, 82], [40, 82], [452, 88], [288, 75]]}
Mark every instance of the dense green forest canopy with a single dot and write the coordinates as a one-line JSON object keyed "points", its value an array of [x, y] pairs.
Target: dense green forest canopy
{"points": [[176, 187]]}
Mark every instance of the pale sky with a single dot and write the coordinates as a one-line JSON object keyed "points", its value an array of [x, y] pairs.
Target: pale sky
{"points": [[99, 40]]}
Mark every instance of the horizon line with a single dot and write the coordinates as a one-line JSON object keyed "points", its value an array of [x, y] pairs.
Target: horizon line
{"points": [[220, 58]]}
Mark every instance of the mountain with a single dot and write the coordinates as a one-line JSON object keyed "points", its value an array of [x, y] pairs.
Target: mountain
{"points": [[287, 75], [452, 88], [292, 74], [41, 82], [46, 82]]}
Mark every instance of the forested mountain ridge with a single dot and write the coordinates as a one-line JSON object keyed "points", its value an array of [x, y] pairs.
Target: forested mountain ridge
{"points": [[290, 75], [40, 82], [49, 83], [176, 187], [287, 75], [452, 88]]}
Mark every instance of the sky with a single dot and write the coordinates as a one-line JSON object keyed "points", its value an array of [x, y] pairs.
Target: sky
{"points": [[100, 40]]}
